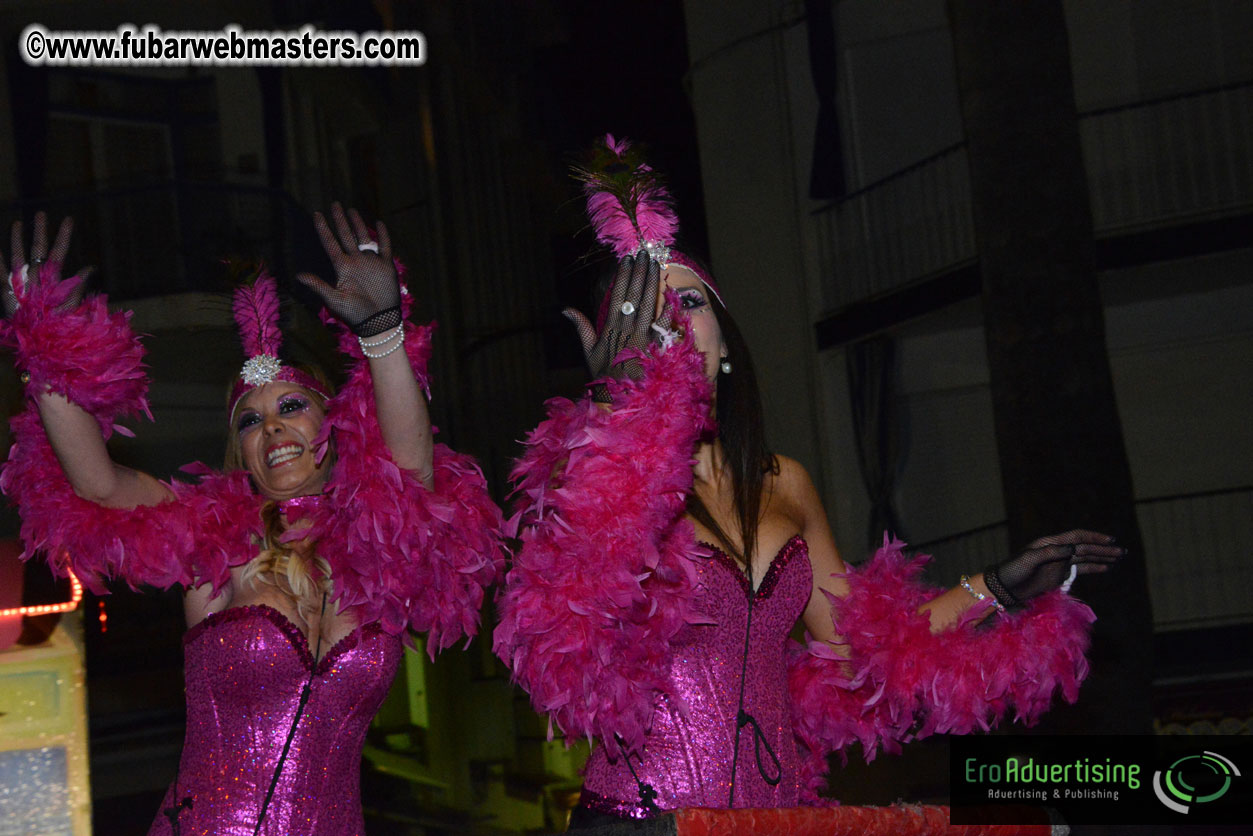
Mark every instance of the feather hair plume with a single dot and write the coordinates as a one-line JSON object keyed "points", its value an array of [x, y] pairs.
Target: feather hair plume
{"points": [[256, 312], [627, 201]]}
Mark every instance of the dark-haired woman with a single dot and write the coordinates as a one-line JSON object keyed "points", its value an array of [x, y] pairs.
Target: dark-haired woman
{"points": [[667, 554], [338, 526]]}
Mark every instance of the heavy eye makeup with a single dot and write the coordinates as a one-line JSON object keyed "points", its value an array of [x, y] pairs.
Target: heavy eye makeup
{"points": [[247, 420], [287, 405], [292, 403], [691, 299]]}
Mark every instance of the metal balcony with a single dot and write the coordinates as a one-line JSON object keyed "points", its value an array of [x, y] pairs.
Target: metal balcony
{"points": [[1167, 177]]}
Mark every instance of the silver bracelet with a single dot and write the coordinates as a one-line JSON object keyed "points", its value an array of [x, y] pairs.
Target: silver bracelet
{"points": [[399, 339], [965, 584]]}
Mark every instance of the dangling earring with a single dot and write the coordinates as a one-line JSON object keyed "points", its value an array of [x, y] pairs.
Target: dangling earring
{"points": [[725, 365]]}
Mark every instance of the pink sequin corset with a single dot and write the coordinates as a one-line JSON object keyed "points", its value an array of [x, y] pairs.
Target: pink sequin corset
{"points": [[688, 754], [245, 670]]}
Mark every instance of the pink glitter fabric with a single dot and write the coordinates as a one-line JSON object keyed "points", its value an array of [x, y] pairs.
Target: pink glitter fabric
{"points": [[245, 670], [688, 753]]}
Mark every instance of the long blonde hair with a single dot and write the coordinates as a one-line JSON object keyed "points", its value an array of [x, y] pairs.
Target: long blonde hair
{"points": [[305, 576], [302, 573]]}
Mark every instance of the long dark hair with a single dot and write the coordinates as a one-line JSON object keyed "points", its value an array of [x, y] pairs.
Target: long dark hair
{"points": [[741, 428]]}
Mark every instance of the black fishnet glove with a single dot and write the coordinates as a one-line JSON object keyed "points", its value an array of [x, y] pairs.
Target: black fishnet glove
{"points": [[39, 257], [366, 295], [1046, 563], [631, 322]]}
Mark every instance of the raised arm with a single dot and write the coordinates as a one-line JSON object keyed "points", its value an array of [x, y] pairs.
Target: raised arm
{"points": [[74, 434], [82, 367], [80, 449], [367, 298], [409, 529]]}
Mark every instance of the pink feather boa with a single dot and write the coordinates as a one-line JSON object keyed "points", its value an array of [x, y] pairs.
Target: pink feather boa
{"points": [[898, 681], [604, 578], [97, 359], [91, 357], [400, 555]]}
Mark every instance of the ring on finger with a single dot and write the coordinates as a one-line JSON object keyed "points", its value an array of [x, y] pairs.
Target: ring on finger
{"points": [[627, 308], [369, 246]]}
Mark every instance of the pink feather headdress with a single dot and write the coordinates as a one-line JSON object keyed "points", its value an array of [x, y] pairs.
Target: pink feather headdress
{"points": [[256, 312], [631, 209]]}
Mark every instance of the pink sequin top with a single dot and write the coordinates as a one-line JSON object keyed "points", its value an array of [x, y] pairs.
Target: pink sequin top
{"points": [[245, 670], [688, 756]]}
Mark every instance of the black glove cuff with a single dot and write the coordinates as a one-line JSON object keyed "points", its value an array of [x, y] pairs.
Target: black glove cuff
{"points": [[992, 579], [600, 393], [376, 324]]}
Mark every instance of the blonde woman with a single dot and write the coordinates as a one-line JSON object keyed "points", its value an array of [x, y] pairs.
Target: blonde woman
{"points": [[337, 526]]}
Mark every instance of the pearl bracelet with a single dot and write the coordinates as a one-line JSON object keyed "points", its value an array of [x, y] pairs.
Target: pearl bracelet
{"points": [[398, 340], [965, 584]]}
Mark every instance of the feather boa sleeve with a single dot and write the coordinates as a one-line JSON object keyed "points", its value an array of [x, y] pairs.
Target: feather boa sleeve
{"points": [[402, 555], [604, 580], [91, 356], [899, 681]]}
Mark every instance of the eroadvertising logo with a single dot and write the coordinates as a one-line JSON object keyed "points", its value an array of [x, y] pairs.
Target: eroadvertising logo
{"points": [[1194, 779], [998, 779]]}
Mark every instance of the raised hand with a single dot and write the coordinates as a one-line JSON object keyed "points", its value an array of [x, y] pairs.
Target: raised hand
{"points": [[1046, 564], [366, 293], [44, 265], [631, 320]]}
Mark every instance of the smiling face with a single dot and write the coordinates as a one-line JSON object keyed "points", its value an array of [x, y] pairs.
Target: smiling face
{"points": [[275, 425], [697, 303]]}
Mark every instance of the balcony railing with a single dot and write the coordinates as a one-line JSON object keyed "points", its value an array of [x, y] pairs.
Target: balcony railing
{"points": [[912, 224], [1196, 548], [150, 240], [1150, 164], [1170, 160]]}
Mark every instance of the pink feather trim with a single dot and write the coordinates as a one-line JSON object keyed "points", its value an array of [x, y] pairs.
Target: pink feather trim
{"points": [[256, 312], [92, 357], [86, 354], [604, 579], [194, 539], [894, 680], [402, 555]]}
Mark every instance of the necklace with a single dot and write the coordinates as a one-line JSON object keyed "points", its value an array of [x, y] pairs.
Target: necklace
{"points": [[300, 506]]}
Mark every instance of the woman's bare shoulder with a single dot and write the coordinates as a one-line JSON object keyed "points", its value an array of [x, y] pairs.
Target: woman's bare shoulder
{"points": [[791, 481], [792, 492]]}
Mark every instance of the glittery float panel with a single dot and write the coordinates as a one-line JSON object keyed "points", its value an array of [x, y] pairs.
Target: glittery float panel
{"points": [[688, 754], [44, 787], [34, 792], [245, 669]]}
